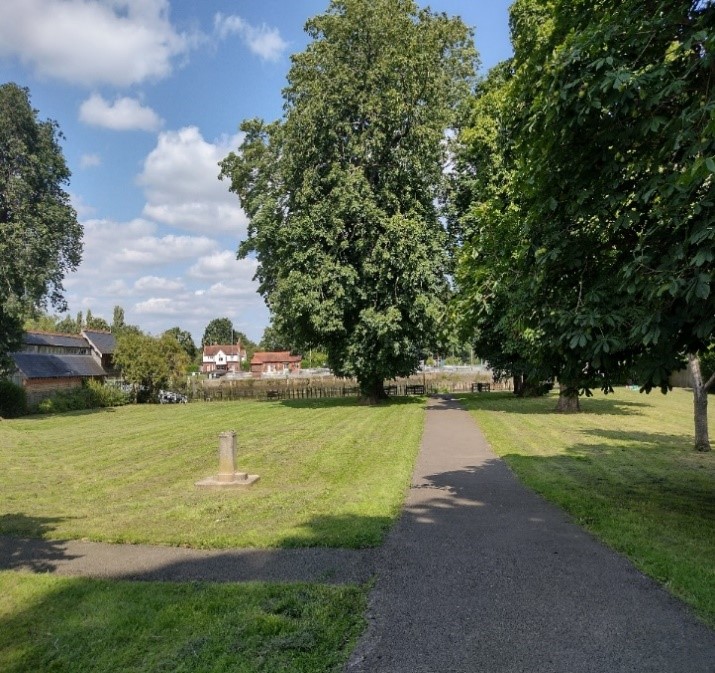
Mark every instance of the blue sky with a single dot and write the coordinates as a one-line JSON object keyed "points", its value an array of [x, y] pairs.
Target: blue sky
{"points": [[149, 95]]}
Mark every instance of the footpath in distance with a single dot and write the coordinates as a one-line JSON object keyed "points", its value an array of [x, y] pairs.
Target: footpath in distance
{"points": [[481, 575]]}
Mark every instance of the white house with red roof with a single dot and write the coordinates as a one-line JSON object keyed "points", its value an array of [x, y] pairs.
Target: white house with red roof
{"points": [[222, 358]]}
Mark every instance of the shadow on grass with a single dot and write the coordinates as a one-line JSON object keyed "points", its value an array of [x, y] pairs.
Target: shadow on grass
{"points": [[23, 543], [468, 522], [78, 624], [600, 485], [37, 416], [598, 405]]}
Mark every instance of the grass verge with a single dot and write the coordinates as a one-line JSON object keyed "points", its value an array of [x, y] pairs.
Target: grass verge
{"points": [[625, 469], [333, 473], [85, 626]]}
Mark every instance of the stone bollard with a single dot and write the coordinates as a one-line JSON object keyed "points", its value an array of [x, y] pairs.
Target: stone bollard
{"points": [[226, 456], [227, 476]]}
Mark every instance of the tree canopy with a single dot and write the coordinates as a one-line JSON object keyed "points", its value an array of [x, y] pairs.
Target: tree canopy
{"points": [[149, 363], [185, 340], [342, 193], [220, 331], [603, 201], [40, 238]]}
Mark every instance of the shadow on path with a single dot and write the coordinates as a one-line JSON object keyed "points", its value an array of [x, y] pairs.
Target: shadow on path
{"points": [[481, 574], [37, 555]]}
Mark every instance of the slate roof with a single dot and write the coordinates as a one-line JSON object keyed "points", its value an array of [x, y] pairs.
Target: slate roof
{"points": [[104, 342], [47, 366], [54, 339]]}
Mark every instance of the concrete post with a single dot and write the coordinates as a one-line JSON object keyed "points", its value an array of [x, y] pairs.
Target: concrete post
{"points": [[227, 455], [227, 476]]}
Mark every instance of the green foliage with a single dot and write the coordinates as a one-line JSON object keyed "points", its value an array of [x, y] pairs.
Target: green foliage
{"points": [[185, 340], [42, 322], [45, 322], [314, 359], [118, 319], [273, 340], [40, 238], [93, 322], [148, 363], [91, 395], [341, 193], [219, 331], [599, 131], [13, 400]]}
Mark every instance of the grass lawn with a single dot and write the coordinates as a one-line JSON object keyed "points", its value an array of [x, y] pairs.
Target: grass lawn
{"points": [[626, 470], [90, 626], [333, 473]]}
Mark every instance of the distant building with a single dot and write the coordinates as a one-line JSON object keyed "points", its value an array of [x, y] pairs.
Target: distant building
{"points": [[222, 358], [49, 362], [103, 346], [272, 363]]}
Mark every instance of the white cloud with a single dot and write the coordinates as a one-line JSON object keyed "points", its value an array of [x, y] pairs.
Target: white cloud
{"points": [[89, 42], [155, 284], [118, 288], [223, 265], [90, 160], [152, 250], [263, 41], [238, 288], [181, 185], [158, 306], [125, 114]]}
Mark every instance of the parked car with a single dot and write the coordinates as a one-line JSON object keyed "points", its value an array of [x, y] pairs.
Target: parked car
{"points": [[170, 397]]}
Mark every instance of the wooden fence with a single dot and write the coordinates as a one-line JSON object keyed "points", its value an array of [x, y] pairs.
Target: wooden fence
{"points": [[270, 390]]}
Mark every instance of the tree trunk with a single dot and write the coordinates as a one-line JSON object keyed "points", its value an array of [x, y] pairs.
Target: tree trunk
{"points": [[700, 403], [373, 391], [568, 398]]}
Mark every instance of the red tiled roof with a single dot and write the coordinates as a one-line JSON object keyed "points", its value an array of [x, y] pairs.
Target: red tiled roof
{"points": [[275, 356], [228, 349]]}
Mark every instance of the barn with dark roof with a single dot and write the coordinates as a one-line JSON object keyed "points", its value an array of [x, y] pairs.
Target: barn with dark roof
{"points": [[49, 363]]}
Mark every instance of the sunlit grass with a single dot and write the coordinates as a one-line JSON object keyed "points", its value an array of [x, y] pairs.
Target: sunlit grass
{"points": [[626, 470], [332, 473], [90, 626]]}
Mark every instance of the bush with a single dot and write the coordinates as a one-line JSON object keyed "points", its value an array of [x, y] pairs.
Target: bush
{"points": [[92, 395], [13, 400]]}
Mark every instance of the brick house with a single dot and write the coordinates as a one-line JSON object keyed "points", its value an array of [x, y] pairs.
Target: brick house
{"points": [[222, 358], [50, 362], [272, 363]]}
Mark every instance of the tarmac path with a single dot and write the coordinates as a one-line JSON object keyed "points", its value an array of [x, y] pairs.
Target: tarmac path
{"points": [[479, 575]]}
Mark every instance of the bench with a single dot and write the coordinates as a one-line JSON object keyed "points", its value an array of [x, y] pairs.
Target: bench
{"points": [[481, 387]]}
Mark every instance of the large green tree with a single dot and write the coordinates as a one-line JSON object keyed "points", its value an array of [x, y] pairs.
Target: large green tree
{"points": [[220, 331], [149, 363], [611, 114], [185, 340], [40, 238], [342, 192]]}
